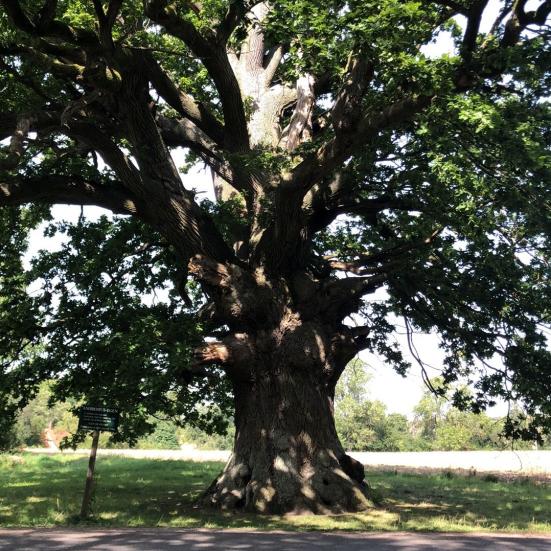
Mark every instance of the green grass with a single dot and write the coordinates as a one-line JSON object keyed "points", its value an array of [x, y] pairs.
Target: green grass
{"points": [[44, 491]]}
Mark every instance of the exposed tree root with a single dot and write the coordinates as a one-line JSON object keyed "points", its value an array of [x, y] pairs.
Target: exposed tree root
{"points": [[323, 485]]}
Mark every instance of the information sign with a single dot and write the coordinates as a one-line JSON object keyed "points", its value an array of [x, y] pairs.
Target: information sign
{"points": [[98, 418]]}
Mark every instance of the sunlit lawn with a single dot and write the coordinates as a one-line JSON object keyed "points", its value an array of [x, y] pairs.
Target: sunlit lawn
{"points": [[46, 491]]}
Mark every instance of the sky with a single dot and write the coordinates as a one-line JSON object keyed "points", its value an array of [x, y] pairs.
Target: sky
{"points": [[399, 394]]}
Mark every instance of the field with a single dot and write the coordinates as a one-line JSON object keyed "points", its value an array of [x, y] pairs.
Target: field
{"points": [[43, 491]]}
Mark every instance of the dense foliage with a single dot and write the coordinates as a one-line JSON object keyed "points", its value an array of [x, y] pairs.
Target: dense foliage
{"points": [[98, 328]]}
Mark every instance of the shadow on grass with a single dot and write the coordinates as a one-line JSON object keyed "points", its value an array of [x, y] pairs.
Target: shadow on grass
{"points": [[46, 491], [428, 502]]}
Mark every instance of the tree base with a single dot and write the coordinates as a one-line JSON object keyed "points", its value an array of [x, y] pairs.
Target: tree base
{"points": [[328, 485]]}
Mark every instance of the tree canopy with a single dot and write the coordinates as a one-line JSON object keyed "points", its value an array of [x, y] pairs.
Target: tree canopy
{"points": [[348, 157]]}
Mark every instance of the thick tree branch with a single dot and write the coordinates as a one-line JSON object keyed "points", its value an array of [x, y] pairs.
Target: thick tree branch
{"points": [[318, 165], [384, 261], [368, 208], [340, 297], [211, 353], [89, 134], [59, 67], [17, 142], [290, 225], [107, 20], [215, 59], [232, 354], [183, 133], [520, 19], [43, 121], [474, 18], [112, 12], [347, 107], [19, 17], [235, 15], [27, 82], [183, 103], [47, 25], [70, 190], [356, 268], [300, 126], [272, 63], [47, 13], [178, 217], [185, 225]]}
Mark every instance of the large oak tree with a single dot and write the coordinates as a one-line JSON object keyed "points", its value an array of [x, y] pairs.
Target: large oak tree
{"points": [[358, 171]]}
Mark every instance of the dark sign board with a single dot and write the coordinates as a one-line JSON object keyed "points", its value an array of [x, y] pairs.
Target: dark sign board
{"points": [[98, 418]]}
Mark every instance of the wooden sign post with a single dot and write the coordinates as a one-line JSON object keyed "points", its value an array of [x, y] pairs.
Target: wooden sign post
{"points": [[87, 497], [96, 419]]}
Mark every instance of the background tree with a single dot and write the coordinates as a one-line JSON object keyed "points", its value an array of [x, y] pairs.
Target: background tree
{"points": [[363, 424], [464, 430], [306, 112], [42, 413], [438, 425], [430, 412]]}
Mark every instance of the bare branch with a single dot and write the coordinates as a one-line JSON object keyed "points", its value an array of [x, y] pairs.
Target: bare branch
{"points": [[274, 59], [300, 127]]}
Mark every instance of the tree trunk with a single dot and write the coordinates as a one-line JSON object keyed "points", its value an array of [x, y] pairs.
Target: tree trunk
{"points": [[284, 353], [287, 457]]}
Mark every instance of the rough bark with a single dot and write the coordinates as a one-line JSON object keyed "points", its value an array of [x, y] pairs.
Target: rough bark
{"points": [[287, 457]]}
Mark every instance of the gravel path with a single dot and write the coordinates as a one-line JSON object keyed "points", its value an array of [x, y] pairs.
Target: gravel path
{"points": [[227, 540]]}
